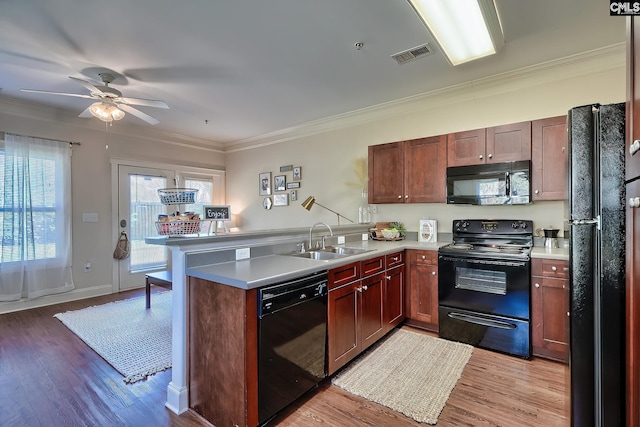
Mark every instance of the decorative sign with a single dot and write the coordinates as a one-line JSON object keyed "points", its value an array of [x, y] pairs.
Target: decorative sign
{"points": [[428, 231], [218, 213]]}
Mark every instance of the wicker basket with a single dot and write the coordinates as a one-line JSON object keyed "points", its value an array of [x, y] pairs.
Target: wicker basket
{"points": [[177, 196], [178, 227]]}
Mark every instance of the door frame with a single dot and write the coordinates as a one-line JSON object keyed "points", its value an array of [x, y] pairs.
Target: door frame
{"points": [[219, 196]]}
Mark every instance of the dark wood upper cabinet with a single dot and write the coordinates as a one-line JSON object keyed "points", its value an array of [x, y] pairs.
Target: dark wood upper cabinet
{"points": [[466, 148], [508, 143], [549, 159], [385, 173], [425, 163], [408, 171], [504, 143]]}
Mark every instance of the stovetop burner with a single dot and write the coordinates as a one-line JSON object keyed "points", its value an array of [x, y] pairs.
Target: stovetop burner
{"points": [[506, 239]]}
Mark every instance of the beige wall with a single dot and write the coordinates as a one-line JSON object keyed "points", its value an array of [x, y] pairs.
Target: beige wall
{"points": [[91, 181], [325, 157]]}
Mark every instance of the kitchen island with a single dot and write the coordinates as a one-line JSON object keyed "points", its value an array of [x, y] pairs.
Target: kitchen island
{"points": [[209, 265]]}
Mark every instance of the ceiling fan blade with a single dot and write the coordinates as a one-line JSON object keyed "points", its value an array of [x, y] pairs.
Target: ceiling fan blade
{"points": [[144, 102], [77, 95], [86, 113], [92, 88], [139, 114]]}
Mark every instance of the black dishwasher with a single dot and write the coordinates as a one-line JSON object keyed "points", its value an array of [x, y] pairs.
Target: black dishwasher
{"points": [[292, 334]]}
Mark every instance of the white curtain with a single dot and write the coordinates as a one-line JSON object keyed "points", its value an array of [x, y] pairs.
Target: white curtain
{"points": [[35, 215]]}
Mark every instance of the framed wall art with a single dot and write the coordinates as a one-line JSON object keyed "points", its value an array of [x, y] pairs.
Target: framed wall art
{"points": [[264, 184], [279, 183], [280, 199], [294, 195], [293, 185], [297, 173]]}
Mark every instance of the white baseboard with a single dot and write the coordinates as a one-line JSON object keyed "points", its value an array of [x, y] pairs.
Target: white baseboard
{"points": [[76, 294]]}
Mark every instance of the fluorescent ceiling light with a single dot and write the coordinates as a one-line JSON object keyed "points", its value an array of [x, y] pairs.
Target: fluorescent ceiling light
{"points": [[464, 29]]}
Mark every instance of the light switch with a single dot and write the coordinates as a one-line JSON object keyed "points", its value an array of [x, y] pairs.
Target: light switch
{"points": [[89, 217]]}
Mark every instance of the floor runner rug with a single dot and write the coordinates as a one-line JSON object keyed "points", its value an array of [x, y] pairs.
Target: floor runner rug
{"points": [[409, 372], [134, 340]]}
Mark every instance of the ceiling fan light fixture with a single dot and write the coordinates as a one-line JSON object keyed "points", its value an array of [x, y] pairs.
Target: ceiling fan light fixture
{"points": [[465, 29], [106, 112]]}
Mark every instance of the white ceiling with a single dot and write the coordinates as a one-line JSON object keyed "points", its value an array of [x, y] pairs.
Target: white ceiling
{"points": [[251, 67]]}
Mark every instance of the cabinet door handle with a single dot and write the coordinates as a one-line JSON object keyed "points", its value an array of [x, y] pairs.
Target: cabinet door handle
{"points": [[406, 197], [400, 196], [491, 156], [388, 277], [359, 289], [634, 202], [433, 273], [424, 257], [364, 288], [635, 147], [537, 285], [568, 314], [395, 258], [537, 191], [481, 156], [554, 268]]}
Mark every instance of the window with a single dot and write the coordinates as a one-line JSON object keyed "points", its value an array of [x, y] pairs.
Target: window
{"points": [[31, 194], [204, 195]]}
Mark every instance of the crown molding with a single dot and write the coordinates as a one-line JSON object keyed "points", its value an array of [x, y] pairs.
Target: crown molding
{"points": [[586, 63]]}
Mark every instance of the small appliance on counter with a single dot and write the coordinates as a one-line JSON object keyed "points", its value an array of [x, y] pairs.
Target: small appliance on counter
{"points": [[550, 237]]}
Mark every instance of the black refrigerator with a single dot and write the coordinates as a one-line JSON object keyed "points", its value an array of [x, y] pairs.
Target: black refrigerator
{"points": [[596, 230]]}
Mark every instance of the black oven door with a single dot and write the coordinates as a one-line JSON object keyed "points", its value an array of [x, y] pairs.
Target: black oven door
{"points": [[495, 287]]}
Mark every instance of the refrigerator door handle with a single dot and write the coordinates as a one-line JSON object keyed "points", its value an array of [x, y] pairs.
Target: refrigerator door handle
{"points": [[595, 221], [507, 181]]}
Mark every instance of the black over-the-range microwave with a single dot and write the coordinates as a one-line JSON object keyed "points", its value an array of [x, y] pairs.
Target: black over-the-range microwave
{"points": [[507, 183]]}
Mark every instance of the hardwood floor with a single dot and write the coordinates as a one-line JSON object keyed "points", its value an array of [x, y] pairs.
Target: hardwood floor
{"points": [[49, 377]]}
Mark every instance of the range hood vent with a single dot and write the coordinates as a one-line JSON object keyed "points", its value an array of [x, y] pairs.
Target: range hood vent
{"points": [[413, 53]]}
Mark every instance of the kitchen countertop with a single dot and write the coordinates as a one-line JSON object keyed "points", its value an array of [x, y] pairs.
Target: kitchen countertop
{"points": [[256, 272], [542, 252], [261, 271]]}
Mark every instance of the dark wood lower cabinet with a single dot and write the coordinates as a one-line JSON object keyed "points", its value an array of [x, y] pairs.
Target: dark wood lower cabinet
{"points": [[223, 355], [363, 311], [355, 319], [422, 296], [550, 309]]}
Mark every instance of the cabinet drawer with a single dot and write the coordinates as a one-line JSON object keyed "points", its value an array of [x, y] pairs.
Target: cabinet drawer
{"points": [[340, 275], [395, 259], [550, 267], [371, 266], [423, 257]]}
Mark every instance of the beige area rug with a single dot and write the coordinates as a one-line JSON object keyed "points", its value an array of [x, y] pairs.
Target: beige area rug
{"points": [[134, 340], [409, 372]]}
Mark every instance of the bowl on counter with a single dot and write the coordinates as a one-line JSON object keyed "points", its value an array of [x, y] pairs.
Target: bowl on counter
{"points": [[390, 234]]}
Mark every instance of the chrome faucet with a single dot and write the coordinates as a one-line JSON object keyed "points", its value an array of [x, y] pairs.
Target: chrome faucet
{"points": [[311, 233]]}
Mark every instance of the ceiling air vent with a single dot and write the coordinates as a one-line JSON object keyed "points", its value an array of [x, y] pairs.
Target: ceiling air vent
{"points": [[413, 53]]}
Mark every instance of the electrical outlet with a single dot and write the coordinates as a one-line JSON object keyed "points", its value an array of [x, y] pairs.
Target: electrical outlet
{"points": [[340, 240], [374, 209], [243, 253]]}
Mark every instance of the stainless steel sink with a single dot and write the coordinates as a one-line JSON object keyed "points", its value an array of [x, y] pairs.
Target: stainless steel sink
{"points": [[330, 252], [342, 250], [319, 255]]}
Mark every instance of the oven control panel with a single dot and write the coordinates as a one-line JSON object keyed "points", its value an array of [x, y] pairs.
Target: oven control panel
{"points": [[500, 226]]}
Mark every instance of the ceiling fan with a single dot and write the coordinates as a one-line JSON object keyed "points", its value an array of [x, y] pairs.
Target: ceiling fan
{"points": [[110, 105]]}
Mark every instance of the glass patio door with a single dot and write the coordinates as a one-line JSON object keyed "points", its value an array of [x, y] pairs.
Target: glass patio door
{"points": [[138, 209]]}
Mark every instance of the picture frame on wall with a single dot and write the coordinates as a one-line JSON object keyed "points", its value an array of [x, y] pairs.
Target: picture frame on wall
{"points": [[280, 199], [291, 185], [297, 173], [264, 184], [294, 195], [279, 183]]}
